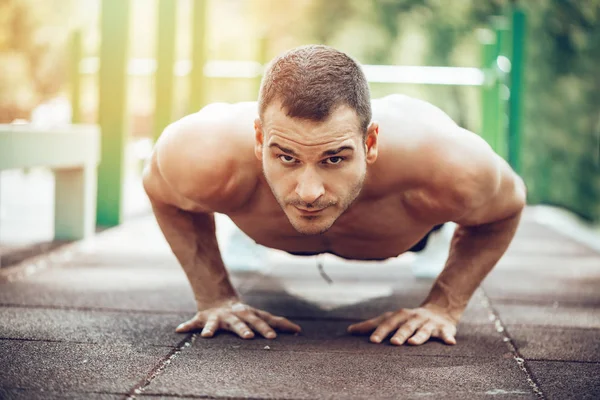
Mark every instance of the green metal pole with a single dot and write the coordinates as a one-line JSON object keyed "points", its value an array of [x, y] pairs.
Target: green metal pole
{"points": [[165, 56], [197, 78], [112, 109], [502, 45], [516, 89], [75, 77], [488, 108]]}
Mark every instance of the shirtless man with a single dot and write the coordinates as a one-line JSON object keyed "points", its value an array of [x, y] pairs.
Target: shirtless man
{"points": [[317, 167]]}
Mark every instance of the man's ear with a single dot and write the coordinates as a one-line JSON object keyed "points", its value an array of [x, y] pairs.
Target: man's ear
{"points": [[371, 142], [259, 138]]}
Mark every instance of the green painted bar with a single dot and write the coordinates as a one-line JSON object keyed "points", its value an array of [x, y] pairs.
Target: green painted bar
{"points": [[197, 78], [112, 106], [165, 56], [488, 126], [75, 77], [501, 140], [516, 83]]}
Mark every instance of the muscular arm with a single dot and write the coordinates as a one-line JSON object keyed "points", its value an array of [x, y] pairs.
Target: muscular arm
{"points": [[191, 236], [485, 229], [464, 181], [193, 241], [187, 180]]}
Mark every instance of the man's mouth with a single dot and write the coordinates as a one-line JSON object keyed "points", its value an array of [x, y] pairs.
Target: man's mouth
{"points": [[309, 211]]}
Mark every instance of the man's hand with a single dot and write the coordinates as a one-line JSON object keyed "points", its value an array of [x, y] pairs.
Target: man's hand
{"points": [[418, 324], [238, 318]]}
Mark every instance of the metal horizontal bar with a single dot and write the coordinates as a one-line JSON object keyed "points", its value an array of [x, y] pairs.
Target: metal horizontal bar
{"points": [[424, 75], [252, 69]]}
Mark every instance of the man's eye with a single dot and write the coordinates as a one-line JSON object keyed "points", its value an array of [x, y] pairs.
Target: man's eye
{"points": [[287, 159], [335, 160]]}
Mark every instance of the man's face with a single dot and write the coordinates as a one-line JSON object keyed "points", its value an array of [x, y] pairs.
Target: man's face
{"points": [[315, 169]]}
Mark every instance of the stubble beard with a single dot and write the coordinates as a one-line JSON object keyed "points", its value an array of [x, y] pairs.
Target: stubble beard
{"points": [[349, 201]]}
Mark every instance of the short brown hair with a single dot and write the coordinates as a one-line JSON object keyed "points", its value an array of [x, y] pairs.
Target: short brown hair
{"points": [[311, 81]]}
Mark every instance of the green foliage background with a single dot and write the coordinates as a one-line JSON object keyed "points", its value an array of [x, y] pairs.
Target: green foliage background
{"points": [[561, 131]]}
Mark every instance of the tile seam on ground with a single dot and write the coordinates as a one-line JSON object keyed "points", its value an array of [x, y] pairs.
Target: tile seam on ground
{"points": [[142, 311], [91, 309], [46, 340], [563, 361], [419, 355], [506, 338], [207, 397], [59, 392], [76, 342], [157, 370]]}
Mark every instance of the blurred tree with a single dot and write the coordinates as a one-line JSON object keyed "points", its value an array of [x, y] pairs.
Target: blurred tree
{"points": [[562, 125], [32, 62], [561, 133]]}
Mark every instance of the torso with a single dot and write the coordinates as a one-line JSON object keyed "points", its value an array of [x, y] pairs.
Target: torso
{"points": [[380, 224], [360, 233]]}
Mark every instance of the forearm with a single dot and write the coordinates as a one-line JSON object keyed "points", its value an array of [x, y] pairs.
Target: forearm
{"points": [[474, 251], [193, 241]]}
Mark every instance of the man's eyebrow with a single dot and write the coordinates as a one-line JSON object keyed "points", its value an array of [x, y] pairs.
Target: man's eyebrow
{"points": [[284, 149], [331, 152]]}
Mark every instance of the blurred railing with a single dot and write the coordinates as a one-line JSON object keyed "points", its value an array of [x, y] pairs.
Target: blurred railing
{"points": [[253, 69], [498, 77]]}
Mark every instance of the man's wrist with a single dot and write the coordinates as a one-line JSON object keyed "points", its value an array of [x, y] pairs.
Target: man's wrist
{"points": [[441, 299], [453, 314], [204, 304]]}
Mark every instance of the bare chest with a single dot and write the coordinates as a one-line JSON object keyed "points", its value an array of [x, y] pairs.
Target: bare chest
{"points": [[374, 229]]}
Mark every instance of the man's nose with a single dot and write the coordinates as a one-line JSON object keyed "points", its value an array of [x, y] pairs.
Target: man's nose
{"points": [[310, 187]]}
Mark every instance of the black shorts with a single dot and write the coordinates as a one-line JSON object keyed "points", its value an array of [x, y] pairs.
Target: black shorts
{"points": [[423, 242], [416, 248]]}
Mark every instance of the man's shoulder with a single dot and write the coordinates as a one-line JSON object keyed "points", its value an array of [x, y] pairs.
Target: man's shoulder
{"points": [[448, 166], [413, 134], [410, 111], [207, 157]]}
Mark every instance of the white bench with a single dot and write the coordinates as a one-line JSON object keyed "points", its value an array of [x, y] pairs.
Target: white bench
{"points": [[73, 154]]}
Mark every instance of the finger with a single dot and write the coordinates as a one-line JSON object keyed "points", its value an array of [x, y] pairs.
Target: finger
{"points": [[234, 324], [406, 331], [190, 325], [281, 323], [211, 326], [368, 325], [384, 329], [422, 335], [447, 335], [259, 325]]}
